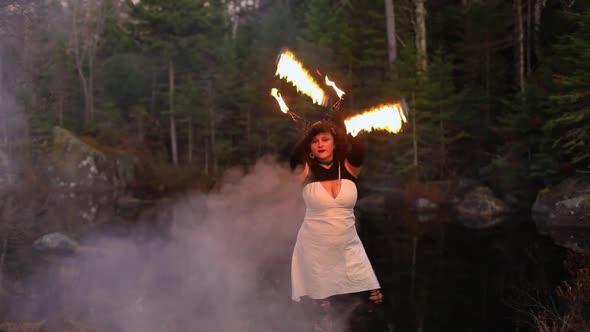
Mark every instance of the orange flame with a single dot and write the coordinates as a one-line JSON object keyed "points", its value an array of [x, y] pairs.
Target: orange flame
{"points": [[339, 92], [388, 117], [275, 93], [292, 70]]}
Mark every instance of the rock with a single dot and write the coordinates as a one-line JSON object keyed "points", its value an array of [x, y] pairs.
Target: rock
{"points": [[453, 191], [423, 205], [475, 222], [481, 202], [566, 204], [379, 199], [6, 170], [56, 243], [371, 202], [75, 164], [543, 203], [571, 212], [575, 239], [130, 202], [426, 217]]}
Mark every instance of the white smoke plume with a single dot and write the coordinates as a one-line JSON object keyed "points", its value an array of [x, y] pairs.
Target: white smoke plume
{"points": [[222, 263]]}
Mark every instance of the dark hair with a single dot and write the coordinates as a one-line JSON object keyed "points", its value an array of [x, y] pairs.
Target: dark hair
{"points": [[323, 126]]}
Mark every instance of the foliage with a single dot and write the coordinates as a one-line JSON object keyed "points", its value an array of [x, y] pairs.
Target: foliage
{"points": [[470, 118], [569, 123]]}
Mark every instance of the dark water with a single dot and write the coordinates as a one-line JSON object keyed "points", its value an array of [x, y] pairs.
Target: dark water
{"points": [[439, 275]]}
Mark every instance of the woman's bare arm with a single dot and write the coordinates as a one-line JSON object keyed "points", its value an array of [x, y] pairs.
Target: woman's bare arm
{"points": [[303, 174]]}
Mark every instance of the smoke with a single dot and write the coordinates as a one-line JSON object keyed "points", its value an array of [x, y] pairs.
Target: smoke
{"points": [[13, 85], [222, 263]]}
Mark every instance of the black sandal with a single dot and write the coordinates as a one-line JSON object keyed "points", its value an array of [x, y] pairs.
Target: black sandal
{"points": [[376, 296]]}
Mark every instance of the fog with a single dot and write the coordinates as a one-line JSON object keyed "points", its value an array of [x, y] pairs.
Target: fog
{"points": [[207, 262], [12, 122], [212, 262]]}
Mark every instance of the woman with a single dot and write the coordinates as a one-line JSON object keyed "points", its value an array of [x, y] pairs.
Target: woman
{"points": [[329, 258]]}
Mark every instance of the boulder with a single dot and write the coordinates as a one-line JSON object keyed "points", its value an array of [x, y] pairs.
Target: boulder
{"points": [[566, 204], [4, 168], [371, 202], [481, 202], [71, 186], [479, 222], [378, 199], [423, 205], [452, 191], [56, 243], [74, 164]]}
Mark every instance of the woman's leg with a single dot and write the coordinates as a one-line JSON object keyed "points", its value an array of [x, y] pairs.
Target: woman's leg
{"points": [[323, 322], [368, 313]]}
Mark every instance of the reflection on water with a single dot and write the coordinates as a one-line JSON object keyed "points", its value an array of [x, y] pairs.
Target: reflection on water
{"points": [[441, 276]]}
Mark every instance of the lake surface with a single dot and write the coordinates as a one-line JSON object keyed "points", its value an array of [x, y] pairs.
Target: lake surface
{"points": [[437, 275], [442, 276]]}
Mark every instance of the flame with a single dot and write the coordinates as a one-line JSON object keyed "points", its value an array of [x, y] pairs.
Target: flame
{"points": [[292, 70], [275, 93], [388, 117], [339, 92]]}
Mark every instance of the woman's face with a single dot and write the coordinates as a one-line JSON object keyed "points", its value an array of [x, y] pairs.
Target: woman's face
{"points": [[322, 146]]}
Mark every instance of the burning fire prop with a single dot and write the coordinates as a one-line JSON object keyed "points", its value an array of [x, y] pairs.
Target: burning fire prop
{"points": [[389, 117], [284, 108], [339, 92], [275, 93], [290, 69]]}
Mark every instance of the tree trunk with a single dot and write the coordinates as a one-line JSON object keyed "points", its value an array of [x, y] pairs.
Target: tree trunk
{"points": [[235, 19], [86, 93], [206, 163], [422, 54], [413, 270], [79, 60], [60, 109], [91, 88], [27, 59], [529, 18], [212, 129], [488, 84], [519, 45], [173, 145], [4, 126], [538, 11], [351, 99], [190, 140], [140, 128], [60, 91], [390, 23], [154, 92], [414, 136], [3, 111], [84, 42], [443, 148], [3, 258]]}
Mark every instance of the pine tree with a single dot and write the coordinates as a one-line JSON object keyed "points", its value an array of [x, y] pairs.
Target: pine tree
{"points": [[169, 29], [569, 125]]}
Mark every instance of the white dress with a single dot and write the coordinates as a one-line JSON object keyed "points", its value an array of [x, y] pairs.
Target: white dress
{"points": [[329, 258]]}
